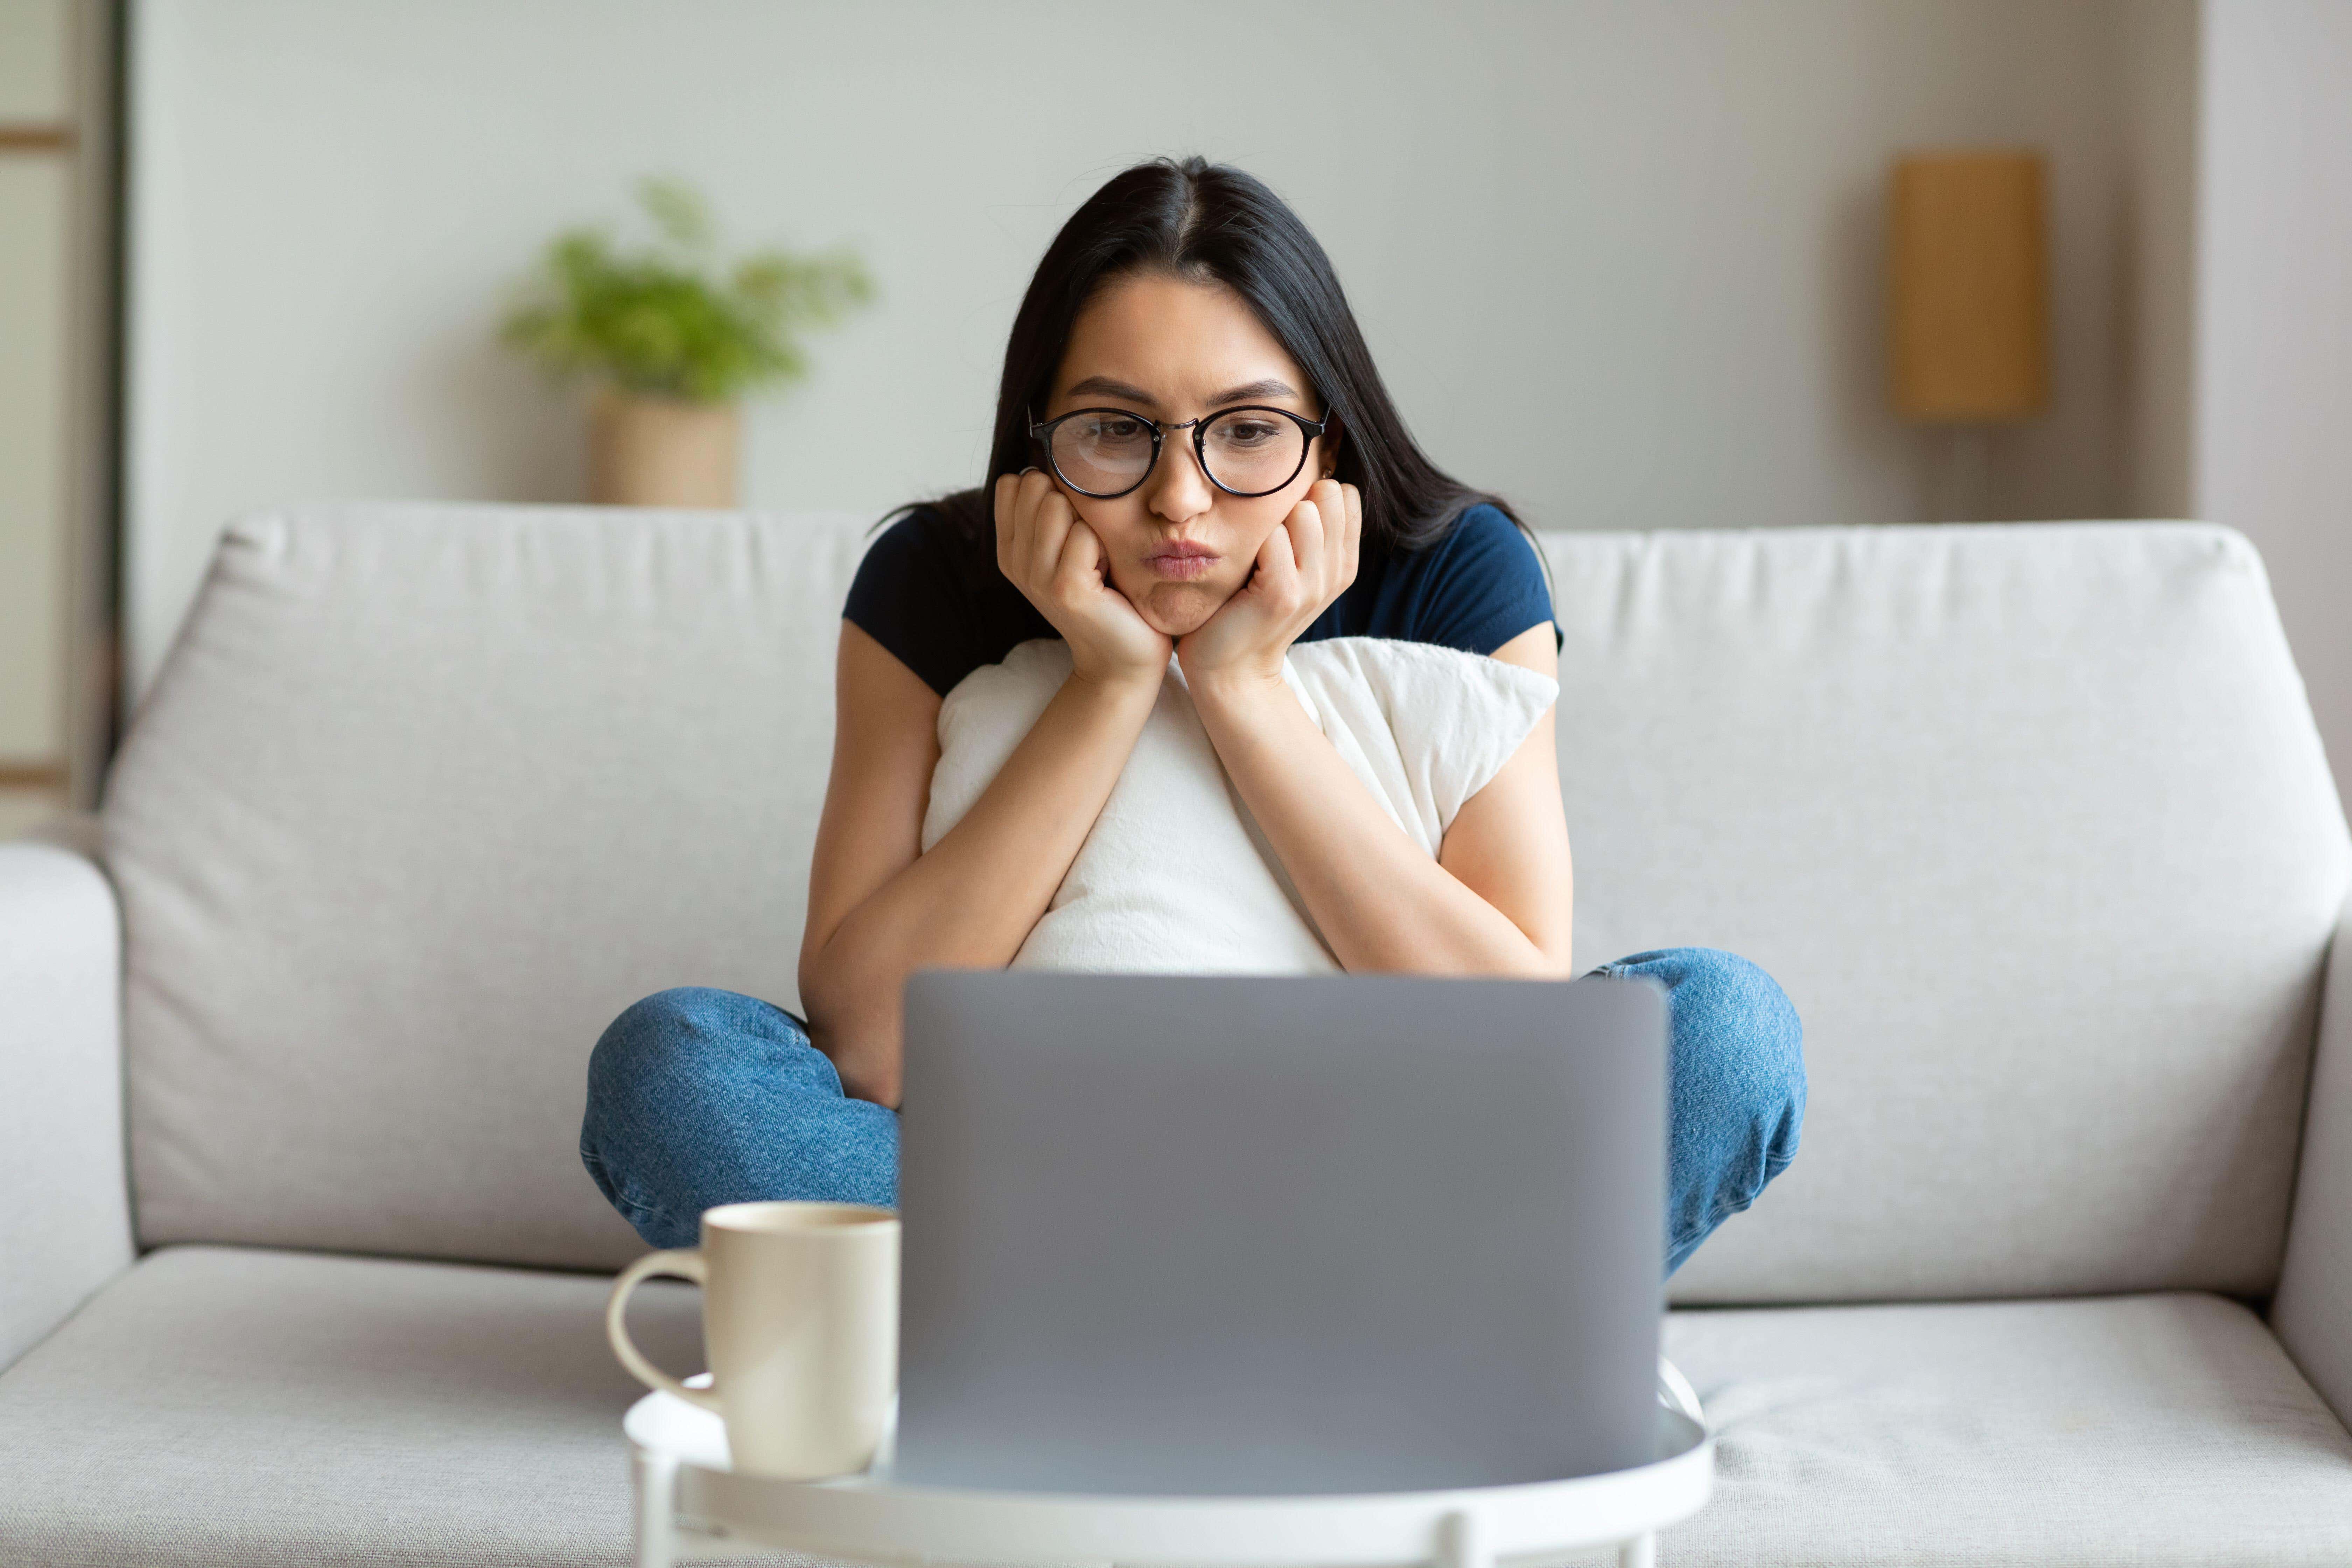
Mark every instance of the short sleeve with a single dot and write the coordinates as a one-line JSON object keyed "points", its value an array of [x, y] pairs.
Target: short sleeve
{"points": [[937, 602], [1477, 587], [901, 599]]}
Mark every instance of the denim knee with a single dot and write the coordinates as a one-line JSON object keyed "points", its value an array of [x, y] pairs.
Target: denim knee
{"points": [[664, 1077], [694, 1031], [1736, 1084], [699, 1097]]}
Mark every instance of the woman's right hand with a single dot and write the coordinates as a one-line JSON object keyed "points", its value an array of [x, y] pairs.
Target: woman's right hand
{"points": [[1046, 551]]}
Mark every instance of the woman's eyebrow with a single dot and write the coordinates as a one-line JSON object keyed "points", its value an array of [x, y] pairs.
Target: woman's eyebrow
{"points": [[1108, 388], [1248, 392], [1251, 392]]}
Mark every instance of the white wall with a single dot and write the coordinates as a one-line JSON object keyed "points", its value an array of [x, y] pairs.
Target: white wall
{"points": [[2273, 414], [1619, 261], [2158, 283]]}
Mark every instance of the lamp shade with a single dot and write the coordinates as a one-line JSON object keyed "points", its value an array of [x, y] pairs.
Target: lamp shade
{"points": [[1966, 285]]}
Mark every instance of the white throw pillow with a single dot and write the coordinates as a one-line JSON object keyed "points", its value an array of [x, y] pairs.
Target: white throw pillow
{"points": [[1175, 877]]}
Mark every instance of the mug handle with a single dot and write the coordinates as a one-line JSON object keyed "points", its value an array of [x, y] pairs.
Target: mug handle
{"points": [[684, 1264]]}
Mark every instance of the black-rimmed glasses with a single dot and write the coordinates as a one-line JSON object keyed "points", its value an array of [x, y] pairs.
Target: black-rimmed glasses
{"points": [[1246, 452]]}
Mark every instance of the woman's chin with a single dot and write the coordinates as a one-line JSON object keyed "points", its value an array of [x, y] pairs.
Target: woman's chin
{"points": [[1172, 609]]}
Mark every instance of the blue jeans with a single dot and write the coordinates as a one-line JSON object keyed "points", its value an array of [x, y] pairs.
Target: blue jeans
{"points": [[697, 1098]]}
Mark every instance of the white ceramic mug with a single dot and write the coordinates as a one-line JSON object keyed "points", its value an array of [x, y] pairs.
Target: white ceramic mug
{"points": [[800, 1316]]}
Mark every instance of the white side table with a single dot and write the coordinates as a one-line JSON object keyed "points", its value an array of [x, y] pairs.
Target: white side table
{"points": [[691, 1506]]}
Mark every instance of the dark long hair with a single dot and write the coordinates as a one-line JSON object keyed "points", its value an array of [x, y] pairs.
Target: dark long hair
{"points": [[1212, 223]]}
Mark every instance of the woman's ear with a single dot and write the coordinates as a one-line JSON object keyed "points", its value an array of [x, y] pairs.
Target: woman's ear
{"points": [[1330, 448]]}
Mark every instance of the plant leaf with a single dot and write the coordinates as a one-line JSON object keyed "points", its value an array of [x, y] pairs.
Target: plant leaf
{"points": [[666, 319]]}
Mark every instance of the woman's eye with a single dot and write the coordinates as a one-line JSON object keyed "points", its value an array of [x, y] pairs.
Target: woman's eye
{"points": [[1249, 433], [1116, 429]]}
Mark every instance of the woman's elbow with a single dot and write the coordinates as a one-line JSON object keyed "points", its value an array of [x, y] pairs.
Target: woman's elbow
{"points": [[1533, 958], [876, 1081], [867, 1063], [862, 1045]]}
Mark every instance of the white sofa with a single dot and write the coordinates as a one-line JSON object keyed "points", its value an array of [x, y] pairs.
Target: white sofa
{"points": [[2031, 822]]}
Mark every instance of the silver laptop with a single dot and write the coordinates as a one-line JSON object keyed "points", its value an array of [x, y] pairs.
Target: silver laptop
{"points": [[1214, 1236]]}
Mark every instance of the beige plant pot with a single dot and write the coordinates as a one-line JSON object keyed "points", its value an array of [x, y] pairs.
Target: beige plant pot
{"points": [[663, 451]]}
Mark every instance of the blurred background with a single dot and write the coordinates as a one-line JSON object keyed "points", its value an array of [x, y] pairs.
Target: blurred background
{"points": [[1625, 261]]}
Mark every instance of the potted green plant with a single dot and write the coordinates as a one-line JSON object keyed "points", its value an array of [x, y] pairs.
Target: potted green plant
{"points": [[673, 340]]}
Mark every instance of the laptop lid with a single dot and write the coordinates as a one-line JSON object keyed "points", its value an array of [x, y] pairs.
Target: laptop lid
{"points": [[1219, 1236]]}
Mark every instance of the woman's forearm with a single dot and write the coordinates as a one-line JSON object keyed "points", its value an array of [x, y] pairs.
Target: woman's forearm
{"points": [[1378, 898], [970, 901]]}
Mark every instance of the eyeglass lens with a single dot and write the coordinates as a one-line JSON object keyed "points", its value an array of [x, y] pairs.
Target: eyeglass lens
{"points": [[1244, 449]]}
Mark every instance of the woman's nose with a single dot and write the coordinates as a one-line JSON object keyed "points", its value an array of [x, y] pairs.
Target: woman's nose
{"points": [[1180, 491]]}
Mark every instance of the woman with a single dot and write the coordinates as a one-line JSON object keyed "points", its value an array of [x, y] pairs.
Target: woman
{"points": [[1193, 453]]}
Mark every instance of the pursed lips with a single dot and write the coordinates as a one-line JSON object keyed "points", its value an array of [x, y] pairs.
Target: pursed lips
{"points": [[1179, 558]]}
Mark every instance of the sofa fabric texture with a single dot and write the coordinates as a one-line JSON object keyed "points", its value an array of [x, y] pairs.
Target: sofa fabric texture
{"points": [[222, 1408], [2310, 1311], [2031, 824], [2093, 1433], [422, 799], [67, 1229]]}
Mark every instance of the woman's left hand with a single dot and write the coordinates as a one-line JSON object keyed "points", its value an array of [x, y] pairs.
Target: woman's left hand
{"points": [[1303, 566]]}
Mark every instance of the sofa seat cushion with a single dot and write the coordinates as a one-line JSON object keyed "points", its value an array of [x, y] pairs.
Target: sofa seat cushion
{"points": [[249, 1408], [225, 1407], [2137, 1430]]}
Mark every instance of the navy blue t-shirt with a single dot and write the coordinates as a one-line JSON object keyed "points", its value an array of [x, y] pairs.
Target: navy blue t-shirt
{"points": [[936, 599]]}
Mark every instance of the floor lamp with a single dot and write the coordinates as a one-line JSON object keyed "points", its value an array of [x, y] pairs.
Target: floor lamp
{"points": [[1968, 308]]}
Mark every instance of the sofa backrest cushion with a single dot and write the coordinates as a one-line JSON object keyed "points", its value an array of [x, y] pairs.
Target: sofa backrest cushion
{"points": [[2033, 826], [422, 799], [2032, 823]]}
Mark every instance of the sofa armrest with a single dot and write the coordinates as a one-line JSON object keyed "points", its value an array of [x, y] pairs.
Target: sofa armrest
{"points": [[2313, 1312], [65, 1227]]}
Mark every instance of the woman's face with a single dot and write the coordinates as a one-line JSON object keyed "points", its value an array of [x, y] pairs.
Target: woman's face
{"points": [[1171, 350]]}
